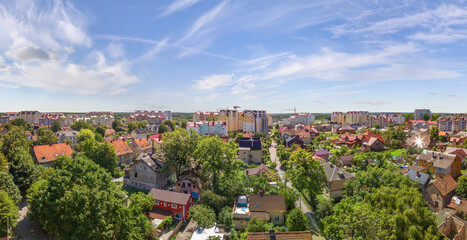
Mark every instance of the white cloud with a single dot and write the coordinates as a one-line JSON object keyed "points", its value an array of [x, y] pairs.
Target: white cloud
{"points": [[60, 76], [115, 50], [213, 81], [445, 36], [178, 5], [29, 54]]}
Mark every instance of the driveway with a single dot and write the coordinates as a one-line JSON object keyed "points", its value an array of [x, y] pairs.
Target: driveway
{"points": [[187, 230], [26, 229]]}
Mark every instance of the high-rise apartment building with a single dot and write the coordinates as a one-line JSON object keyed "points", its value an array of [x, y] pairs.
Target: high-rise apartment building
{"points": [[418, 114]]}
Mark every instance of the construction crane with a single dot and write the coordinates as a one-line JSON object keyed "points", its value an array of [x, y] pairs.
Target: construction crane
{"points": [[294, 110], [235, 107]]}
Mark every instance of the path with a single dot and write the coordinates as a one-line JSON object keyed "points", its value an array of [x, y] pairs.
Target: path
{"points": [[313, 226], [187, 230], [26, 229]]}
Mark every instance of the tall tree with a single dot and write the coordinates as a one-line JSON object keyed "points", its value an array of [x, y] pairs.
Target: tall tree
{"points": [[216, 156], [178, 147], [461, 189], [79, 201], [21, 123], [100, 130], [204, 216], [23, 169], [46, 136], [15, 138], [183, 124], [169, 123], [3, 163], [132, 126], [8, 209], [306, 173], [117, 125], [102, 153], [296, 220], [56, 126], [426, 117], [434, 133], [81, 125], [7, 185], [162, 128]]}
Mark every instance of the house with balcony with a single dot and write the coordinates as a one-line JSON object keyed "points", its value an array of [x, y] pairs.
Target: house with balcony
{"points": [[47, 154], [269, 208], [178, 204]]}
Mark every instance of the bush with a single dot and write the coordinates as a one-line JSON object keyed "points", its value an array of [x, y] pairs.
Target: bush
{"points": [[296, 221], [204, 216]]}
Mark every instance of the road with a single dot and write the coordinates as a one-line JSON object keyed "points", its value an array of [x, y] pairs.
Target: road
{"points": [[26, 229], [313, 226]]}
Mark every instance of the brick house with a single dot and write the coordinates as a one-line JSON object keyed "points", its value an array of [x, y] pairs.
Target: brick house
{"points": [[336, 179], [124, 152], [261, 170], [46, 154], [440, 192], [189, 185], [373, 143], [178, 204], [250, 150], [147, 172]]}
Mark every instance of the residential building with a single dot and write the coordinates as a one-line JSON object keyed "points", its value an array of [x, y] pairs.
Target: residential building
{"points": [[346, 129], [178, 204], [286, 132], [67, 120], [261, 171], [270, 208], [47, 119], [123, 151], [47, 154], [70, 136], [4, 119], [233, 117], [440, 192], [140, 133], [346, 160], [109, 132], [417, 176], [148, 172], [99, 118], [294, 140], [154, 117], [250, 150], [188, 185], [205, 116], [440, 163], [372, 142], [273, 235], [453, 227], [270, 121], [335, 180], [459, 152], [381, 119], [322, 155], [31, 117], [306, 134], [211, 128], [416, 125], [166, 115], [302, 118], [351, 140], [396, 119], [156, 140], [450, 124], [140, 145], [418, 113]]}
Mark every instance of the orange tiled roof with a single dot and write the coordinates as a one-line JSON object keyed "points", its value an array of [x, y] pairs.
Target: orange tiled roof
{"points": [[48, 153], [142, 143], [445, 184], [121, 147]]}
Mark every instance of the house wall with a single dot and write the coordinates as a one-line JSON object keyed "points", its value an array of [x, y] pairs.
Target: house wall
{"points": [[186, 186], [125, 158], [174, 208], [280, 216], [433, 196], [141, 176]]}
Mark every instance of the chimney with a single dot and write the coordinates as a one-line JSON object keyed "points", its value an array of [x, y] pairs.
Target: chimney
{"points": [[418, 174]]}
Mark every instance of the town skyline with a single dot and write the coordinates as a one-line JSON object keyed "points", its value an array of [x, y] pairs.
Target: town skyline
{"points": [[190, 55]]}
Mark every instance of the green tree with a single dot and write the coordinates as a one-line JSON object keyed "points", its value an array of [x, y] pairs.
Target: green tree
{"points": [[256, 225], [3, 163], [324, 207], [204, 216], [81, 125], [296, 220], [46, 136], [461, 189], [434, 133], [178, 147], [183, 124], [434, 117], [376, 126], [132, 126], [216, 156], [225, 217], [102, 153], [162, 128], [117, 125], [213, 200], [169, 123], [8, 209], [306, 173], [426, 117], [100, 130], [7, 185], [143, 201], [56, 126], [290, 197], [79, 201], [15, 138], [23, 169], [21, 123]]}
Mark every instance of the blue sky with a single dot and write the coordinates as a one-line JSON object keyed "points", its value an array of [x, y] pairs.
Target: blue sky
{"points": [[190, 55]]}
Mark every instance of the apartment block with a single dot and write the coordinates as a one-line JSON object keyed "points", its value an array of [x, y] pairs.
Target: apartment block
{"points": [[418, 113], [449, 124]]}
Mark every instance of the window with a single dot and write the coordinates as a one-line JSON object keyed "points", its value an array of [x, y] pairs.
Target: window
{"points": [[156, 202], [174, 205], [244, 152], [277, 218], [136, 174], [189, 184], [178, 216]]}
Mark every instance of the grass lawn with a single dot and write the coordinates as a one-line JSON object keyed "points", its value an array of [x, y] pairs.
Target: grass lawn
{"points": [[397, 152], [129, 191]]}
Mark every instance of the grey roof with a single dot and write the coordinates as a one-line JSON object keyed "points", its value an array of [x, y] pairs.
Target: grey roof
{"points": [[252, 143], [443, 163], [334, 173], [321, 152], [151, 161], [419, 177], [254, 171], [432, 156], [70, 133]]}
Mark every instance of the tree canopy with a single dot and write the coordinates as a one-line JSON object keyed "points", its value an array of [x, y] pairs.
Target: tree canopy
{"points": [[204, 216], [178, 147], [296, 220], [7, 185], [56, 126], [8, 209], [79, 201], [461, 189], [81, 125], [46, 136]]}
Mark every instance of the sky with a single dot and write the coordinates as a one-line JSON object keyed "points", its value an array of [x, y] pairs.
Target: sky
{"points": [[200, 55]]}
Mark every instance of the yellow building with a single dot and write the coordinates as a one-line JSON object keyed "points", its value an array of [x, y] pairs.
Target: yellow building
{"points": [[270, 121]]}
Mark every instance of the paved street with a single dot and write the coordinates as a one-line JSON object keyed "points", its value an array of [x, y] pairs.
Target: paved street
{"points": [[26, 229], [313, 226]]}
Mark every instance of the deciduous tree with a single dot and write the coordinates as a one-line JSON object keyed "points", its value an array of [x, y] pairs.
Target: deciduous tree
{"points": [[204, 216], [461, 189], [46, 136], [8, 209], [178, 147], [7, 185], [296, 220], [56, 126]]}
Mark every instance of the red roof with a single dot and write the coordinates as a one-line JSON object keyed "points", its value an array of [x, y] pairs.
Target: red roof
{"points": [[48, 153], [121, 147], [156, 137], [142, 143], [169, 196]]}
